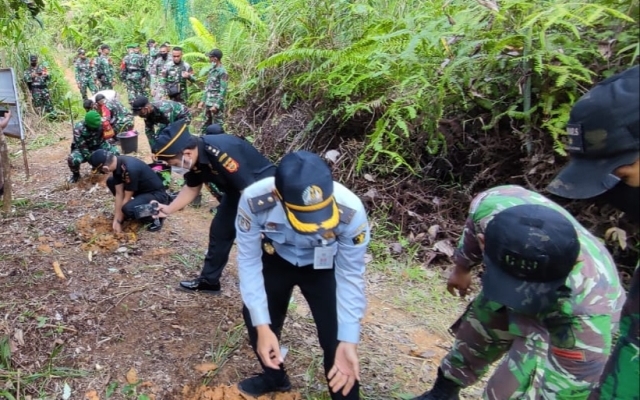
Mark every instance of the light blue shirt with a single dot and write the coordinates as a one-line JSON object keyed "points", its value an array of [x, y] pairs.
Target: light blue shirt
{"points": [[349, 247]]}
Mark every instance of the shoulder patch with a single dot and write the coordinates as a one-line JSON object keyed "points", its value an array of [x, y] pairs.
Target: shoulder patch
{"points": [[346, 213], [262, 203]]}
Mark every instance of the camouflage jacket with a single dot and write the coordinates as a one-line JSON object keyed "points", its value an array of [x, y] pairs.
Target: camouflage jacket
{"points": [[594, 283], [86, 141], [133, 67], [39, 81], [151, 58], [164, 113], [172, 73], [158, 65], [119, 114], [215, 89], [104, 69], [84, 69]]}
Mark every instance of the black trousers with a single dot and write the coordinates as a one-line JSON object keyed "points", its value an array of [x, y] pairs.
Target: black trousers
{"points": [[319, 289], [160, 196], [222, 233]]}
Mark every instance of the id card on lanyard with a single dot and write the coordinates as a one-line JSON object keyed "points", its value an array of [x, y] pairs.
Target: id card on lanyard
{"points": [[323, 257]]}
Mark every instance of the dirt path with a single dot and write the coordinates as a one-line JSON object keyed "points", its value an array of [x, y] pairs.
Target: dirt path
{"points": [[117, 322]]}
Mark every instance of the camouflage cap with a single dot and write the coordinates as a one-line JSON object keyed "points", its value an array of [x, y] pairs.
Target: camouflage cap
{"points": [[602, 135], [132, 46], [529, 251]]}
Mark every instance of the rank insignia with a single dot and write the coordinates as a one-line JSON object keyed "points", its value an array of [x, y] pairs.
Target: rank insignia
{"points": [[126, 178], [268, 248]]}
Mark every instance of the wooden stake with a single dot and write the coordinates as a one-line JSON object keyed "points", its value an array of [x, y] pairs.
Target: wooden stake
{"points": [[6, 173], [24, 157]]}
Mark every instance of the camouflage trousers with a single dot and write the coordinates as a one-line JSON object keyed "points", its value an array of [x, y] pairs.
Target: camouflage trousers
{"points": [[123, 124], [106, 84], [621, 376], [77, 157], [87, 84], [42, 100], [136, 88], [546, 357], [212, 118]]}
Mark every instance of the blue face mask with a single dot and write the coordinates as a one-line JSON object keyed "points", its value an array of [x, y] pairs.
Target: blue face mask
{"points": [[182, 169]]}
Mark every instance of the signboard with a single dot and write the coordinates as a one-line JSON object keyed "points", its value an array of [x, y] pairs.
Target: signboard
{"points": [[9, 99]]}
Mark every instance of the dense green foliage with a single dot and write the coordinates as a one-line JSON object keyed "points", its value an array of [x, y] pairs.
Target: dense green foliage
{"points": [[404, 65]]}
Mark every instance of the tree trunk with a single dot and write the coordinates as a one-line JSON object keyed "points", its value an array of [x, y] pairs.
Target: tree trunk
{"points": [[5, 169]]}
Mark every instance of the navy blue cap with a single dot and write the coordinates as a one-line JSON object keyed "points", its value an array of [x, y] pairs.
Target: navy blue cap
{"points": [[529, 251], [97, 159], [214, 129], [139, 103], [173, 139], [305, 186], [603, 134]]}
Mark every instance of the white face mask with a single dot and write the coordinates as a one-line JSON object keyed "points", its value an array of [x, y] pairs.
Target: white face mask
{"points": [[182, 169]]}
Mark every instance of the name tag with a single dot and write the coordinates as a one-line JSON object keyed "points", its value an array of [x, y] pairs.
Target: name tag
{"points": [[323, 258]]}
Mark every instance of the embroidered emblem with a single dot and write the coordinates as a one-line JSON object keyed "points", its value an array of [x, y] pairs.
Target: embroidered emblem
{"points": [[230, 165], [312, 195], [329, 235], [359, 238], [244, 223]]}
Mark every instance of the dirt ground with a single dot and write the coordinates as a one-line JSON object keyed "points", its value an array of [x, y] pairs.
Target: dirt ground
{"points": [[100, 314]]}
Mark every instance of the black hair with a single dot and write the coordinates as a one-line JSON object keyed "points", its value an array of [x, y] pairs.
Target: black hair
{"points": [[88, 104], [177, 49]]}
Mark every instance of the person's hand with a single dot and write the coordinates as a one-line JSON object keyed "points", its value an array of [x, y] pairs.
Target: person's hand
{"points": [[268, 348], [214, 108], [459, 279], [117, 226], [162, 210], [346, 370], [185, 74], [200, 105]]}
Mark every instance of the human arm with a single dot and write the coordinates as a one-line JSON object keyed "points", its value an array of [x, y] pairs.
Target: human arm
{"points": [[252, 290], [4, 121], [118, 215], [187, 195], [351, 301]]}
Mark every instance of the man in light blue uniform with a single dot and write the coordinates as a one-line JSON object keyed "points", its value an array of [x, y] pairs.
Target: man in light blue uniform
{"points": [[302, 228]]}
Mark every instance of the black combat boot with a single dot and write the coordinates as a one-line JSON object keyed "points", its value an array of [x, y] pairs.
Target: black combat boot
{"points": [[443, 389], [75, 177], [267, 382]]}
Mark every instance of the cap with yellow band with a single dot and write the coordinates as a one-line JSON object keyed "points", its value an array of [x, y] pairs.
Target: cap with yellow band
{"points": [[172, 140], [305, 187]]}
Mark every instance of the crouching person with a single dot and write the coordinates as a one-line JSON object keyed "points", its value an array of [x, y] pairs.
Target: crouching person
{"points": [[550, 300], [87, 138], [134, 184]]}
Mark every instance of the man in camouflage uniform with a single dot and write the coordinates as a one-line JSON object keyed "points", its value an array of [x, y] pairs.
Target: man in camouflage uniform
{"points": [[174, 77], [215, 91], [85, 77], [160, 113], [87, 138], [151, 56], [550, 297], [37, 79], [133, 72], [112, 111], [105, 73], [155, 70], [604, 144]]}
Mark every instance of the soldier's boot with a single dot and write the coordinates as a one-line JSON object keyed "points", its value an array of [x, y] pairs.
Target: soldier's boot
{"points": [[443, 389], [75, 177]]}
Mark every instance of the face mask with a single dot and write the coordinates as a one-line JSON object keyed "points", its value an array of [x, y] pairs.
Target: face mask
{"points": [[182, 169], [625, 198], [164, 55], [34, 63]]}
